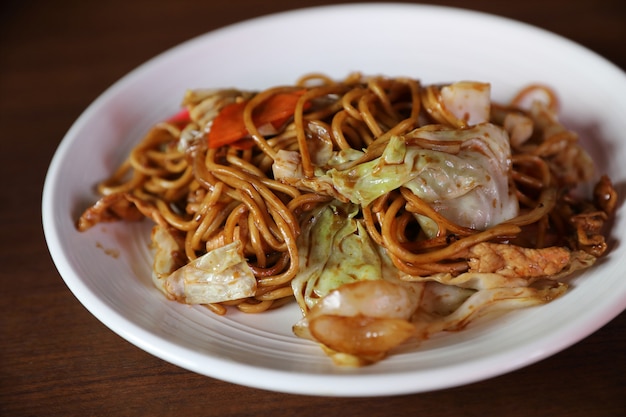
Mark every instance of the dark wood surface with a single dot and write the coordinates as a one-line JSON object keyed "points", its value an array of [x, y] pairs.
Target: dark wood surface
{"points": [[57, 359]]}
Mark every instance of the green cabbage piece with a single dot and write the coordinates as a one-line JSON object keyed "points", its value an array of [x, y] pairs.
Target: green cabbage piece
{"points": [[335, 249], [467, 183]]}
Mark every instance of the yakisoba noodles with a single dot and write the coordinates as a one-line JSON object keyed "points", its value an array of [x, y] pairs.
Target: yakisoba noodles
{"points": [[387, 209]]}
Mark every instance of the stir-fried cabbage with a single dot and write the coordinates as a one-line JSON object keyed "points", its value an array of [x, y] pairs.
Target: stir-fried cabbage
{"points": [[467, 183], [335, 249], [221, 274], [462, 173]]}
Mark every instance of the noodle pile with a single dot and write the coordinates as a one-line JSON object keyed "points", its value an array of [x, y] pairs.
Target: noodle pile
{"points": [[259, 190]]}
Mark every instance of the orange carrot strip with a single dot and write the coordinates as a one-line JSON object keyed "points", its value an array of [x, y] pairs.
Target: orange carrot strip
{"points": [[228, 127]]}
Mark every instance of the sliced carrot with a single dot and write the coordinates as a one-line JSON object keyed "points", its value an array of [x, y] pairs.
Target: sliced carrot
{"points": [[229, 127]]}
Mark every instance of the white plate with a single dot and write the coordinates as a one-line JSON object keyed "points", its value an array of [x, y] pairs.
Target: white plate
{"points": [[108, 268]]}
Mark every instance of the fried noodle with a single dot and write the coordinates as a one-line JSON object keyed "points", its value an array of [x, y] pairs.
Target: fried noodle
{"points": [[207, 197]]}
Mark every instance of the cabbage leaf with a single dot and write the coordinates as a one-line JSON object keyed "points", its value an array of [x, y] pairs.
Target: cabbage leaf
{"points": [[221, 274], [335, 249], [468, 183]]}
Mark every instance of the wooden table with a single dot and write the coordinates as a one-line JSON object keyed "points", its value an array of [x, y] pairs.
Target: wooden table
{"points": [[57, 359]]}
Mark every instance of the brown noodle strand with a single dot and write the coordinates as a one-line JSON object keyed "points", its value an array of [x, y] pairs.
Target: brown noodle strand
{"points": [[340, 131], [279, 265], [552, 101], [275, 294], [116, 184], [307, 164], [255, 308], [418, 206], [547, 201], [306, 202], [249, 123], [448, 252], [370, 225], [256, 243], [217, 308]]}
